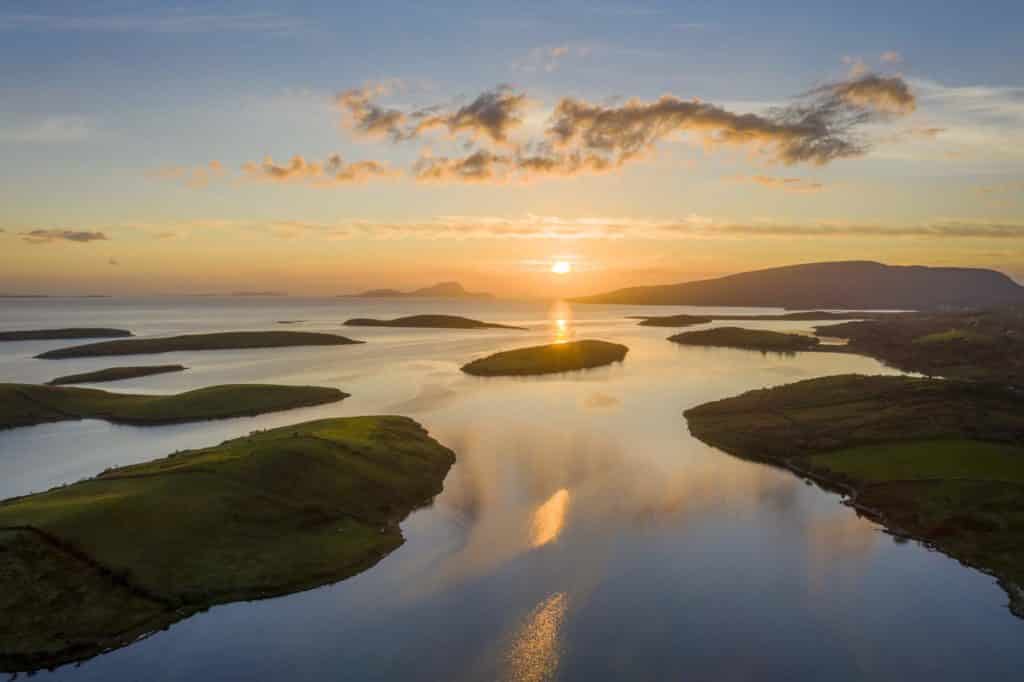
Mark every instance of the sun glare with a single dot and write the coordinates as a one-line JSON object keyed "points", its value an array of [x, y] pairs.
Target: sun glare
{"points": [[561, 267]]}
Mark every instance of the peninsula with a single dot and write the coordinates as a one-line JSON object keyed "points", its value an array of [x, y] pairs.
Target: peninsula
{"points": [[95, 565], [115, 374], [749, 339]]}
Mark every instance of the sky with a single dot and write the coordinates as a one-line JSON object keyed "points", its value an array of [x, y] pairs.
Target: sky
{"points": [[327, 147]]}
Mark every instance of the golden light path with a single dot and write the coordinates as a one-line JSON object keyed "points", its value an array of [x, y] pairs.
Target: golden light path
{"points": [[549, 519], [535, 652]]}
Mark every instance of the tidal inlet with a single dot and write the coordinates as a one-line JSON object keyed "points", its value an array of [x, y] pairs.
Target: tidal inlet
{"points": [[522, 343]]}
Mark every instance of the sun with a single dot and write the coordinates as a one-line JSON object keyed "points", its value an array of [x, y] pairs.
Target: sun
{"points": [[561, 267]]}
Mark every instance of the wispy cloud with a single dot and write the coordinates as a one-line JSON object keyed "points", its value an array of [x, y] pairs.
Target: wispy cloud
{"points": [[333, 171], [194, 177], [52, 236], [796, 185], [49, 130], [167, 22]]}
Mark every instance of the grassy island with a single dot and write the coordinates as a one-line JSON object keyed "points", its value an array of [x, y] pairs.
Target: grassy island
{"points": [[194, 342], [95, 565], [674, 321], [115, 374], [749, 339], [939, 461], [28, 404], [427, 321], [66, 333], [549, 359]]}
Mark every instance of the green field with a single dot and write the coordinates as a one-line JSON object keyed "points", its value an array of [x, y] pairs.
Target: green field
{"points": [[28, 404], [92, 565], [940, 461], [549, 359], [197, 342], [115, 374], [746, 339]]}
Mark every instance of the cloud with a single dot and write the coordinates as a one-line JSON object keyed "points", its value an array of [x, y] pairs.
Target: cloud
{"points": [[195, 178], [49, 236], [798, 185], [480, 166], [549, 59], [333, 171], [492, 115], [169, 22], [51, 129], [891, 57], [870, 92]]}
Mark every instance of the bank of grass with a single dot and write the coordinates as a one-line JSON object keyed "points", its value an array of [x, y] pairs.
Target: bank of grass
{"points": [[28, 404], [198, 342], [940, 461], [115, 374], [747, 339], [64, 333], [953, 336], [93, 565], [427, 322], [548, 359]]}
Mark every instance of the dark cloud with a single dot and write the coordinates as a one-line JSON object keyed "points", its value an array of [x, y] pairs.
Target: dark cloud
{"points": [[368, 119], [48, 236], [333, 171]]}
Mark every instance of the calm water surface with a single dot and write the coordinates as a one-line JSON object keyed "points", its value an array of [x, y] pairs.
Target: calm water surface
{"points": [[582, 535]]}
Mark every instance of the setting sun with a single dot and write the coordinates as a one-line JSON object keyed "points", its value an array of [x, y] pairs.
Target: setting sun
{"points": [[561, 267]]}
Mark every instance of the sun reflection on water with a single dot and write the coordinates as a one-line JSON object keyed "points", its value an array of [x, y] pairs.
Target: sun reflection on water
{"points": [[549, 519], [561, 321], [535, 651]]}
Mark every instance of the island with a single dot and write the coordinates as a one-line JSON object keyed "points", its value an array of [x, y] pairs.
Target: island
{"points": [[65, 333], [941, 461], [96, 565], [548, 359], [196, 342], [115, 374], [28, 404], [805, 316], [748, 339], [842, 285], [428, 322], [441, 290]]}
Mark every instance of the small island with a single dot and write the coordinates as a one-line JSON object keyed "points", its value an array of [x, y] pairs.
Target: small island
{"points": [[94, 566], [115, 374], [197, 342], [747, 339], [65, 333], [428, 322], [674, 321], [941, 461], [549, 359], [28, 404]]}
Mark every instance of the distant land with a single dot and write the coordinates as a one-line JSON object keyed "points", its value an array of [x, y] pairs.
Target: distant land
{"points": [[441, 290], [841, 284], [428, 321], [259, 293], [64, 333]]}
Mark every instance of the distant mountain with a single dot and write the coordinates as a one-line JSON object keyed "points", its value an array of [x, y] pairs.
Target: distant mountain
{"points": [[843, 284], [441, 290]]}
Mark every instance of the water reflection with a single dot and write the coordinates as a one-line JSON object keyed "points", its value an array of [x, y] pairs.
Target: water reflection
{"points": [[549, 519], [560, 315], [536, 648]]}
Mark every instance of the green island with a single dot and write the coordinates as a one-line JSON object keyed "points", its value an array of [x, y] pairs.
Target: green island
{"points": [[95, 565], [548, 359], [980, 345], [428, 321], [65, 333], [941, 461], [806, 316], [115, 374], [749, 339], [195, 342], [28, 404]]}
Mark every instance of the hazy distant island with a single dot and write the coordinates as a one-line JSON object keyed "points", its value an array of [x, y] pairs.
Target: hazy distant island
{"points": [[64, 333], [441, 290], [548, 359], [837, 285], [687, 320], [259, 293], [197, 342], [750, 339], [28, 404], [95, 565], [938, 460], [115, 374], [428, 321]]}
